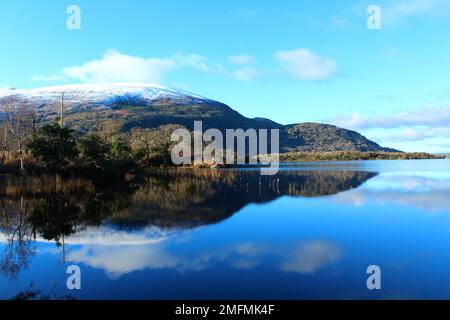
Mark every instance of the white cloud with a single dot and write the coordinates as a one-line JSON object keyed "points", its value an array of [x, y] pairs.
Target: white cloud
{"points": [[111, 258], [50, 78], [427, 191], [430, 116], [309, 257], [427, 125], [246, 74], [195, 61], [354, 121], [306, 65], [4, 91], [115, 66], [118, 67], [417, 134], [132, 253], [401, 10], [241, 59]]}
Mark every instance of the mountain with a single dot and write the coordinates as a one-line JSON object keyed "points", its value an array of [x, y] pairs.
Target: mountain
{"points": [[319, 137], [171, 201], [150, 106]]}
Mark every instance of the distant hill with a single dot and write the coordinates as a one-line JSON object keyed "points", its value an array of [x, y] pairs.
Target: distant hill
{"points": [[150, 106], [307, 137]]}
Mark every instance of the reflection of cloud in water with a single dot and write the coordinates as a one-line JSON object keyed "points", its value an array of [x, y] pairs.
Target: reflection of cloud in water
{"points": [[119, 260], [412, 181], [106, 235], [306, 257], [309, 257], [428, 192]]}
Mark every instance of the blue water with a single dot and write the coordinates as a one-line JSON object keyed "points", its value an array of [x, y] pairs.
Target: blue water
{"points": [[313, 239]]}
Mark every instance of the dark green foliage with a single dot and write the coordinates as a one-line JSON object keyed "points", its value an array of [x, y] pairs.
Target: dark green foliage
{"points": [[135, 112], [353, 155], [317, 137], [305, 137], [152, 147], [102, 161], [134, 134], [54, 146], [94, 150], [161, 156], [54, 218], [120, 151]]}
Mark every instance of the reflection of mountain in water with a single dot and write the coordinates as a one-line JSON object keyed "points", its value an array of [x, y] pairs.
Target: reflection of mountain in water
{"points": [[54, 209], [181, 199], [186, 200]]}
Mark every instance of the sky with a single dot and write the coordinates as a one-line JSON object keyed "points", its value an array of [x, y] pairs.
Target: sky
{"points": [[290, 60]]}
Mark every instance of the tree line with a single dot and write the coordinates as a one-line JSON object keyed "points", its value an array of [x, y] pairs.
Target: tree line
{"points": [[54, 147]]}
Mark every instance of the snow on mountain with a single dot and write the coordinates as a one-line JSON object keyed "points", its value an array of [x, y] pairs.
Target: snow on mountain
{"points": [[6, 91], [103, 95]]}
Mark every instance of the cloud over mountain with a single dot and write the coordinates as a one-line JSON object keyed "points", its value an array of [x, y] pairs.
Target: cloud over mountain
{"points": [[115, 66], [436, 116], [306, 65], [419, 124]]}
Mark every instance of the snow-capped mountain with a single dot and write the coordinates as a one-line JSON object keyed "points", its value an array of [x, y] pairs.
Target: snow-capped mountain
{"points": [[152, 106], [103, 96]]}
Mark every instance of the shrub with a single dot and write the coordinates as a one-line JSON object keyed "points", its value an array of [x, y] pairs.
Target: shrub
{"points": [[54, 146]]}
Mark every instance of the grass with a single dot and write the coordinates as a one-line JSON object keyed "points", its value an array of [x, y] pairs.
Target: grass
{"points": [[354, 155]]}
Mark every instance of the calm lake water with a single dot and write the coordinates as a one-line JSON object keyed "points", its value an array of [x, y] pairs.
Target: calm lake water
{"points": [[309, 232]]}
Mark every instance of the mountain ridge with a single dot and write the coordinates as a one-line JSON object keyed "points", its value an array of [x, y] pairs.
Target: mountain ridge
{"points": [[151, 106]]}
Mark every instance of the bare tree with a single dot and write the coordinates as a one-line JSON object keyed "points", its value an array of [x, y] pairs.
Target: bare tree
{"points": [[18, 247], [152, 143], [62, 110], [18, 120], [5, 138], [110, 129]]}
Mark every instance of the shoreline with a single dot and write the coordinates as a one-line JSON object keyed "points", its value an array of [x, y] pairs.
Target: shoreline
{"points": [[355, 156], [285, 158]]}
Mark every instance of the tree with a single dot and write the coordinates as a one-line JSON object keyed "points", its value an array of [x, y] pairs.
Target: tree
{"points": [[94, 150], [18, 235], [5, 141], [110, 129], [55, 217], [143, 144], [120, 150], [18, 120], [54, 146], [153, 146]]}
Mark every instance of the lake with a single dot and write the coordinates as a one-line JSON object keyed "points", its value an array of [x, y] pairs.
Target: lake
{"points": [[309, 232]]}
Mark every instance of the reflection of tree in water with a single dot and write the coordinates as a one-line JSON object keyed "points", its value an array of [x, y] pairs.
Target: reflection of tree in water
{"points": [[31, 206], [54, 217], [168, 199], [18, 246], [187, 199], [31, 293]]}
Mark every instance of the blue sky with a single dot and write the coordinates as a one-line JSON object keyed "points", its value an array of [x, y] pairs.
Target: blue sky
{"points": [[291, 61]]}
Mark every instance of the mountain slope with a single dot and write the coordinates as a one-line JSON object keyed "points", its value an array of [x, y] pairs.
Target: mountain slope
{"points": [[150, 106], [323, 137]]}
